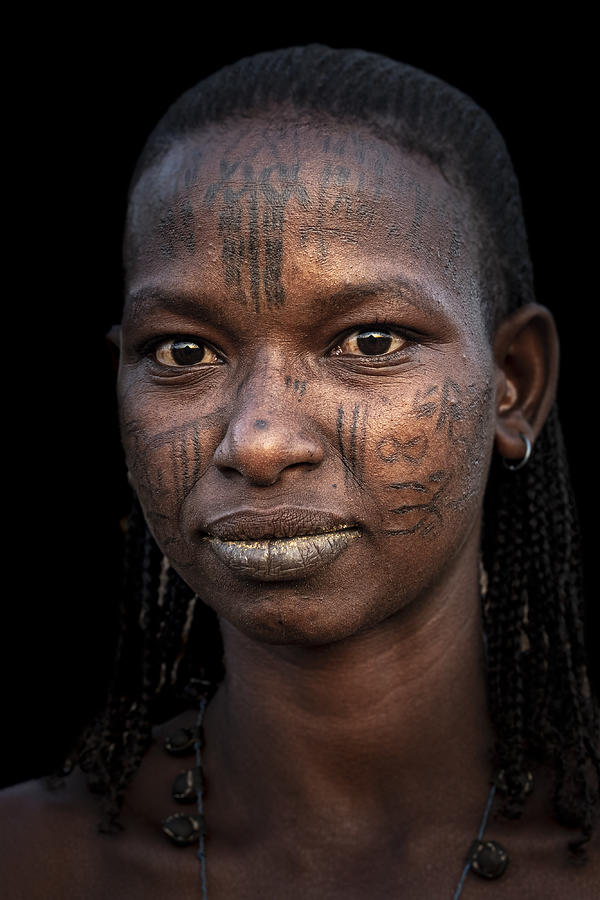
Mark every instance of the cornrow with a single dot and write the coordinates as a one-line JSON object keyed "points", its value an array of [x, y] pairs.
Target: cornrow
{"points": [[540, 701]]}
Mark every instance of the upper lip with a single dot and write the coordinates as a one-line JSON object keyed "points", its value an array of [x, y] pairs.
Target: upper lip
{"points": [[281, 522]]}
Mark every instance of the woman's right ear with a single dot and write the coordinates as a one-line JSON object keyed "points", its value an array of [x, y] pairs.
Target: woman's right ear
{"points": [[113, 342]]}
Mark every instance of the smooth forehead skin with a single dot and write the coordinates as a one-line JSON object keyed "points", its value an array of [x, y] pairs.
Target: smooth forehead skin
{"points": [[299, 207]]}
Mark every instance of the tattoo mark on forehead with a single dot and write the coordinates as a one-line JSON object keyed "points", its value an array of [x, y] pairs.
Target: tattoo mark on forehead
{"points": [[177, 228], [453, 254], [422, 196], [298, 387], [251, 224], [190, 175], [432, 208], [342, 195], [428, 512], [335, 146], [411, 450], [351, 435]]}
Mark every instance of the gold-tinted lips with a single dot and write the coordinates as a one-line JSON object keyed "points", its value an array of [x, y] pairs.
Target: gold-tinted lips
{"points": [[281, 545]]}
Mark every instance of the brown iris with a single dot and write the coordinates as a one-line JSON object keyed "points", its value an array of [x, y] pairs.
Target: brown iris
{"points": [[184, 352]]}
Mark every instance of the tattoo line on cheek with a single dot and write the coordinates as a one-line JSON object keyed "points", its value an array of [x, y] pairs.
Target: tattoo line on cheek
{"points": [[181, 443], [186, 460], [299, 387], [447, 402], [350, 456], [432, 509], [390, 449]]}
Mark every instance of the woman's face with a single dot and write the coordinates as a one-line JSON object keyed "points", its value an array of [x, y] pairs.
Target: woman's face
{"points": [[306, 387]]}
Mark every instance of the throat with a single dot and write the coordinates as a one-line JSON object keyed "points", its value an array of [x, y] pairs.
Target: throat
{"points": [[373, 732]]}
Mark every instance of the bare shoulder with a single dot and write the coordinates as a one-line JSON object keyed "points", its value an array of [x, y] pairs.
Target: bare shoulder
{"points": [[44, 831], [563, 876], [52, 849], [541, 865]]}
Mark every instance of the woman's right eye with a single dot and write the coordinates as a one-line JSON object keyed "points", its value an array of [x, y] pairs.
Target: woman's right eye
{"points": [[180, 352]]}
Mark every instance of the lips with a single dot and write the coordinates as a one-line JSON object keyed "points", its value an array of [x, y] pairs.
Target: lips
{"points": [[281, 544]]}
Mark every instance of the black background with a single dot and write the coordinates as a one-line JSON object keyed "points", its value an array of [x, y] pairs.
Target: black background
{"points": [[87, 94]]}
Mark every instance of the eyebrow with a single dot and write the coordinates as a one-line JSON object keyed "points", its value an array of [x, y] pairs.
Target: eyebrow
{"points": [[412, 292], [201, 305], [196, 305]]}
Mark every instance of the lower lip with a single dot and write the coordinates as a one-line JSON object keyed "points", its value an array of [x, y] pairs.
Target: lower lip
{"points": [[282, 559]]}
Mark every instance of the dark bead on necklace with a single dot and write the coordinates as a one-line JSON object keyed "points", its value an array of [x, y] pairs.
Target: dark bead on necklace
{"points": [[502, 784], [183, 829], [488, 859], [187, 785], [181, 741]]}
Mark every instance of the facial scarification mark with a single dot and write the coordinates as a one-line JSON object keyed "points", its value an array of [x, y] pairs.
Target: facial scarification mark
{"points": [[422, 196], [172, 457], [428, 512], [297, 386], [450, 403], [422, 406], [190, 175], [251, 224], [348, 195], [453, 253], [352, 434], [411, 450], [165, 467], [451, 408], [177, 230]]}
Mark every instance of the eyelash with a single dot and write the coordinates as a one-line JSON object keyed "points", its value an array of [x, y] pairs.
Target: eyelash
{"points": [[149, 348], [410, 338]]}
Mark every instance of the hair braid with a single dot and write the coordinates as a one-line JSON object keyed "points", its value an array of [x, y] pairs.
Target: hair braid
{"points": [[557, 712], [505, 609], [134, 740], [178, 612]]}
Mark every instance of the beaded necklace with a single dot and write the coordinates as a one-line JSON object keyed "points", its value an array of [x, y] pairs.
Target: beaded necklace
{"points": [[487, 859]]}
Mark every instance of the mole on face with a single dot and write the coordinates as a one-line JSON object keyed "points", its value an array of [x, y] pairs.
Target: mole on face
{"points": [[261, 424]]}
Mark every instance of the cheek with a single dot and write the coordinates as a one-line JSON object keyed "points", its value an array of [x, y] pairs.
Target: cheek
{"points": [[165, 462], [432, 465]]}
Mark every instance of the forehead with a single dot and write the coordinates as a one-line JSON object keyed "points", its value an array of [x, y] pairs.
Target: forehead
{"points": [[260, 210]]}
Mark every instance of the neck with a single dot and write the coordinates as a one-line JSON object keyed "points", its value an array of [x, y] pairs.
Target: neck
{"points": [[389, 725]]}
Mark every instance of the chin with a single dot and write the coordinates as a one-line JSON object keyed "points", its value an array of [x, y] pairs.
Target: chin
{"points": [[297, 619]]}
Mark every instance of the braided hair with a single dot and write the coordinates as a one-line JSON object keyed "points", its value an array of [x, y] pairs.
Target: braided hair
{"points": [[540, 700]]}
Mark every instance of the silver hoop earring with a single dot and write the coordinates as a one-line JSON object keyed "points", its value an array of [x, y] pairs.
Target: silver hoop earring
{"points": [[513, 467]]}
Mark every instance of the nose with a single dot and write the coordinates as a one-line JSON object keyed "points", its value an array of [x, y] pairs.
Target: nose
{"points": [[261, 443]]}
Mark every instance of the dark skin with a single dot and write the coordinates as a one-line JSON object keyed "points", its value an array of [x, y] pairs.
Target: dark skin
{"points": [[348, 751]]}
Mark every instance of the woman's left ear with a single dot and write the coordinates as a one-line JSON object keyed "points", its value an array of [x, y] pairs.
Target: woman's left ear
{"points": [[526, 356], [113, 342], [113, 335]]}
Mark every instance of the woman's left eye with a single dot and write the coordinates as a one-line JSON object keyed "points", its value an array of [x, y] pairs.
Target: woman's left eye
{"points": [[181, 352], [370, 342]]}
